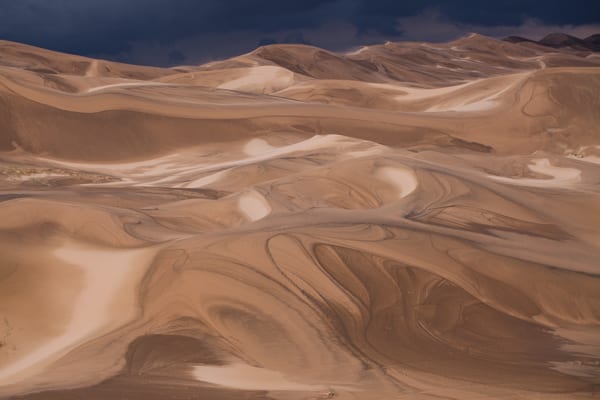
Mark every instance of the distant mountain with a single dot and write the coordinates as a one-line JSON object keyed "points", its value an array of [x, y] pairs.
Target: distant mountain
{"points": [[518, 39], [593, 41], [561, 40]]}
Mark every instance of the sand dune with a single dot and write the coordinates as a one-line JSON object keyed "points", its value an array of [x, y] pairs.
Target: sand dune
{"points": [[106, 302], [405, 221]]}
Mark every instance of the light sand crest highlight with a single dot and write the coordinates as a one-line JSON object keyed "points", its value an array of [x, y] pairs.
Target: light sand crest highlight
{"points": [[245, 377]]}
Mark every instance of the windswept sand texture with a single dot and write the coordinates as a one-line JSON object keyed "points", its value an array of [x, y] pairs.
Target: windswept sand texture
{"points": [[405, 221]]}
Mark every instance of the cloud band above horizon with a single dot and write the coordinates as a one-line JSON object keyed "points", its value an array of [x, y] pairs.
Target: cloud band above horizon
{"points": [[169, 32]]}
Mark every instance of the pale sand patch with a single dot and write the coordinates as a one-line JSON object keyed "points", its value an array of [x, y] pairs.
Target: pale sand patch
{"points": [[257, 146], [254, 205], [464, 101], [147, 173], [560, 176], [418, 94], [371, 151], [581, 156], [412, 93], [474, 106], [358, 51], [246, 377], [107, 302], [205, 180], [403, 179], [37, 175], [92, 69], [264, 78], [588, 159], [543, 166], [263, 151], [448, 68], [125, 84], [152, 166], [575, 368], [469, 104]]}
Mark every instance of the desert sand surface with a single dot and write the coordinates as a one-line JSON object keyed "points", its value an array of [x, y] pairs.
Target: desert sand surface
{"points": [[402, 221]]}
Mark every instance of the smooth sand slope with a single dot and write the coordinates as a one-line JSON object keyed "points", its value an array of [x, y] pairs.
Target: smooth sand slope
{"points": [[404, 221]]}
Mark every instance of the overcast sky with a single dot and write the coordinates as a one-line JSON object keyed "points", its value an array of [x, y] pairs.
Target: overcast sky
{"points": [[169, 32]]}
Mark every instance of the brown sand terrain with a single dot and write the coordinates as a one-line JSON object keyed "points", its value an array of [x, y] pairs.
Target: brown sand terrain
{"points": [[405, 221]]}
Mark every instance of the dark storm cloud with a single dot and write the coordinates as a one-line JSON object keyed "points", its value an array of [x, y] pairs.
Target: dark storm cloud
{"points": [[106, 26], [504, 12], [171, 31]]}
